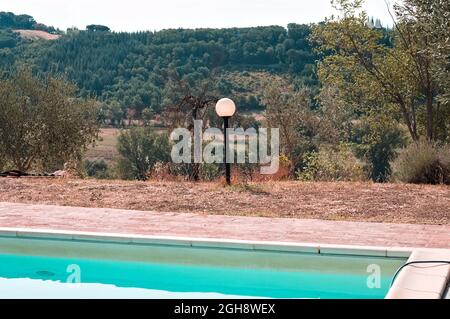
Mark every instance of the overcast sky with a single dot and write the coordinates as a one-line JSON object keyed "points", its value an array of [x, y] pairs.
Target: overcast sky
{"points": [[137, 15]]}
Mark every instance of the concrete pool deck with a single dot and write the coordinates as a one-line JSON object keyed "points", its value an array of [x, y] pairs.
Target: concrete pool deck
{"points": [[16, 215]]}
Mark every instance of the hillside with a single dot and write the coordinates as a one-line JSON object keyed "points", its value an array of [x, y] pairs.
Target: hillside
{"points": [[129, 70]]}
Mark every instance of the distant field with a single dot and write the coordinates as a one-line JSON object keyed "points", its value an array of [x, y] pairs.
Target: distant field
{"points": [[37, 35], [106, 147]]}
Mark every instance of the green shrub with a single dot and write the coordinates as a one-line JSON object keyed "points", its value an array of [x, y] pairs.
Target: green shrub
{"points": [[97, 169], [141, 149], [331, 164], [377, 142], [123, 169], [5, 164], [422, 162]]}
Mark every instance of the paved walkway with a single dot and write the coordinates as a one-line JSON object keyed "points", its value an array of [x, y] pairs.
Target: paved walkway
{"points": [[215, 226]]}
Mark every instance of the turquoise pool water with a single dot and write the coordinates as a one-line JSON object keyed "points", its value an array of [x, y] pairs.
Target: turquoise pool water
{"points": [[43, 268]]}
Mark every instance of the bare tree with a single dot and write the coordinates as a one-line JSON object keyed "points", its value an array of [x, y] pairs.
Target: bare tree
{"points": [[187, 101]]}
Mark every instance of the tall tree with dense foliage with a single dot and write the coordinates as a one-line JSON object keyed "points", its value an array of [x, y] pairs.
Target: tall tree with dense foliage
{"points": [[289, 110], [382, 72], [43, 124], [430, 21]]}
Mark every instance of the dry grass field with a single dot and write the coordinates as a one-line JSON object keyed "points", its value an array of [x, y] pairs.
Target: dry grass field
{"points": [[106, 148], [37, 35], [370, 202]]}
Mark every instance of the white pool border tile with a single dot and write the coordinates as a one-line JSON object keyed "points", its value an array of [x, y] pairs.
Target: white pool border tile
{"points": [[398, 290]]}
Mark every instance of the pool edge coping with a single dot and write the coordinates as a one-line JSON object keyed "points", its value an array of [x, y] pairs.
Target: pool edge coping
{"points": [[408, 284]]}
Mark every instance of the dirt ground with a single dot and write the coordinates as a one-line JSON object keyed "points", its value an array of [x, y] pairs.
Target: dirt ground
{"points": [[389, 203]]}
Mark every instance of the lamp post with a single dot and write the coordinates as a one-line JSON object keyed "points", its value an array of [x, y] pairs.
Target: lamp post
{"points": [[225, 108]]}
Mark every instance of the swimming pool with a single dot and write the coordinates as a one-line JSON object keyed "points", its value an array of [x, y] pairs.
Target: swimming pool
{"points": [[70, 266]]}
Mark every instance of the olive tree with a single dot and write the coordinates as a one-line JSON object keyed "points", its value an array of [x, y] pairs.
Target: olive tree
{"points": [[43, 124], [430, 20]]}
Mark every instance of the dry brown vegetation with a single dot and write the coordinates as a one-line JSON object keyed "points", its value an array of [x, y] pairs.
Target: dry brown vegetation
{"points": [[397, 203]]}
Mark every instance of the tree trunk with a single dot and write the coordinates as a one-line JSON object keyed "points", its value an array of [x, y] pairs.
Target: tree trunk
{"points": [[430, 128], [195, 167], [406, 116]]}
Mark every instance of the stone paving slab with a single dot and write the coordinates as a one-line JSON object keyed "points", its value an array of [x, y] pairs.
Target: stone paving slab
{"points": [[216, 226]]}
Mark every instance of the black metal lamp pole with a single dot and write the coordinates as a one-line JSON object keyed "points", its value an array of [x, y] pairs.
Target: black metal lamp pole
{"points": [[225, 108], [225, 143]]}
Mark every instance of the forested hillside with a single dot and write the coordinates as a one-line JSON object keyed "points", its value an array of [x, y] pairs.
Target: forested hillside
{"points": [[129, 70]]}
